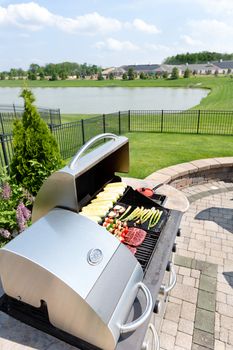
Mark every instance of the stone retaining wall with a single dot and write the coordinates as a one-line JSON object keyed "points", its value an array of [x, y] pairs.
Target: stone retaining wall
{"points": [[195, 172]]}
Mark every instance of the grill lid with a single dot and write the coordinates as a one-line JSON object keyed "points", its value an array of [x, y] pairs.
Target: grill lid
{"points": [[69, 246], [75, 184]]}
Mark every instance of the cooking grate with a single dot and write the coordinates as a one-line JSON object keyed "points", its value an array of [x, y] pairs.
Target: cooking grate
{"points": [[146, 249]]}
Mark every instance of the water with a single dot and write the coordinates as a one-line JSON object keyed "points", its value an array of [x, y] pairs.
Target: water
{"points": [[108, 99]]}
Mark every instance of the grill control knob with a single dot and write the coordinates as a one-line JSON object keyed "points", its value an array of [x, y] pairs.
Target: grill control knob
{"points": [[178, 233], [174, 248], [168, 268], [157, 307]]}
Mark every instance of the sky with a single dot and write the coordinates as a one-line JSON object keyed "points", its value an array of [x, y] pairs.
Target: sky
{"points": [[111, 32]]}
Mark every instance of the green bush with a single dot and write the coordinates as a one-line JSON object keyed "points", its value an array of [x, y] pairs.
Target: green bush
{"points": [[15, 207], [36, 153], [175, 73]]}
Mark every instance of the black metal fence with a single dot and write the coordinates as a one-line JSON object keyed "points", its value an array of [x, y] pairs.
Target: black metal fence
{"points": [[188, 122], [71, 136], [8, 113]]}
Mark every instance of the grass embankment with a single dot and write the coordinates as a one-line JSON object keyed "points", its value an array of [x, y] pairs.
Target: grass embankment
{"points": [[150, 152], [220, 96]]}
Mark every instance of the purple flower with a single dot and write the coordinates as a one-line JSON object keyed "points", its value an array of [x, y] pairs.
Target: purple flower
{"points": [[22, 214], [6, 191], [5, 233]]}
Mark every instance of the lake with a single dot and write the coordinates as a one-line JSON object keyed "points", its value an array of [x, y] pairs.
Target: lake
{"points": [[88, 100]]}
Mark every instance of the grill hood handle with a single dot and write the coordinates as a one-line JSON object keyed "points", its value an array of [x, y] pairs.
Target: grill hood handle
{"points": [[88, 144], [131, 326]]}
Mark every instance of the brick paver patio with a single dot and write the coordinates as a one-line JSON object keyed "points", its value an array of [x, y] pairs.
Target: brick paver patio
{"points": [[199, 314]]}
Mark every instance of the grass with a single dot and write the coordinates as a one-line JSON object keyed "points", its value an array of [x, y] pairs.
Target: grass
{"points": [[220, 96], [66, 118], [150, 152]]}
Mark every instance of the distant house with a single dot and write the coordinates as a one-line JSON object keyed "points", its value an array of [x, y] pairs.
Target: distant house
{"points": [[167, 68], [200, 68], [141, 68], [224, 66], [116, 71]]}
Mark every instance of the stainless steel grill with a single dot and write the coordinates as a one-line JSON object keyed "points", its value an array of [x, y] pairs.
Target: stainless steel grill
{"points": [[70, 272]]}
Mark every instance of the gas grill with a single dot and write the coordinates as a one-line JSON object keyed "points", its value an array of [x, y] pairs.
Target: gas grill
{"points": [[70, 277]]}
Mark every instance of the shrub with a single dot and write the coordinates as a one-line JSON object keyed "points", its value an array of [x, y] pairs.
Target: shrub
{"points": [[187, 73], [175, 73], [36, 153], [124, 76], [15, 207]]}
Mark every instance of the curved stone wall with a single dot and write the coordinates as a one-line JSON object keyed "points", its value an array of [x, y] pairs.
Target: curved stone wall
{"points": [[195, 172]]}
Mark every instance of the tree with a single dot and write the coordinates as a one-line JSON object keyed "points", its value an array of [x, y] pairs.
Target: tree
{"points": [[198, 57], [32, 76], [142, 76], [41, 75], [54, 77], [34, 68], [187, 73], [124, 76], [100, 76], [131, 74], [194, 72], [175, 73], [36, 153], [63, 75], [165, 75], [111, 76], [2, 76]]}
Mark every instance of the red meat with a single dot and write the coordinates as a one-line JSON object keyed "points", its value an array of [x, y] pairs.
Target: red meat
{"points": [[135, 236]]}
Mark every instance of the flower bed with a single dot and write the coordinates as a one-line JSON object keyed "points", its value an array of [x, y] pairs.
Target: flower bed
{"points": [[15, 208]]}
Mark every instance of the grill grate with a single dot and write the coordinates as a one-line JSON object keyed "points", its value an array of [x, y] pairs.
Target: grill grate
{"points": [[145, 250]]}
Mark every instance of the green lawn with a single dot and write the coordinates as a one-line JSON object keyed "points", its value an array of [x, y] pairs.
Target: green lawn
{"points": [[150, 152], [220, 96], [66, 118]]}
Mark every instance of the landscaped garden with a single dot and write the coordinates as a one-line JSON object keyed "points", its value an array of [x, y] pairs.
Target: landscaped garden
{"points": [[36, 156], [149, 151]]}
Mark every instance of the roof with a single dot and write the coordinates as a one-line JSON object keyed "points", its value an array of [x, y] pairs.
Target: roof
{"points": [[199, 66], [146, 68], [224, 64], [167, 68]]}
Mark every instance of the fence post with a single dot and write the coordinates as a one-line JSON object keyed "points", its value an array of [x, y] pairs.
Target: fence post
{"points": [[129, 126], [59, 115], [4, 152], [83, 134], [104, 126], [50, 127], [162, 121], [198, 120], [50, 115], [2, 125], [119, 120], [14, 110]]}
